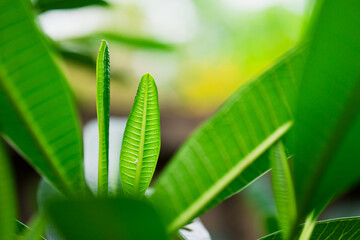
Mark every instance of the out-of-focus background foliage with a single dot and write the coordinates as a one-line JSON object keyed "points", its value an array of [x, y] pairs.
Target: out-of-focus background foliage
{"points": [[199, 51]]}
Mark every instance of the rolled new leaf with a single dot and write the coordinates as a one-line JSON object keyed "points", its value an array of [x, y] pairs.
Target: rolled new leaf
{"points": [[141, 142], [102, 106]]}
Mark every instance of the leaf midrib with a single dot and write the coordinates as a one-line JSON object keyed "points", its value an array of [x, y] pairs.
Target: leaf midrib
{"points": [[212, 192], [142, 141]]}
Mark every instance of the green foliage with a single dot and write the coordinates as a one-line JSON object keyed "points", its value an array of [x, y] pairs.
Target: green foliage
{"points": [[222, 156], [34, 232], [25, 233], [141, 142], [98, 219], [336, 229], [283, 188], [38, 116], [103, 105], [327, 127], [7, 197]]}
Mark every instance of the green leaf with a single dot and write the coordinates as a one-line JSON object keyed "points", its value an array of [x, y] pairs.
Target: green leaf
{"points": [[124, 39], [222, 156], [38, 116], [46, 5], [308, 227], [141, 142], [283, 188], [335, 229], [327, 127], [7, 197], [102, 106], [23, 231], [136, 41], [98, 219], [35, 230]]}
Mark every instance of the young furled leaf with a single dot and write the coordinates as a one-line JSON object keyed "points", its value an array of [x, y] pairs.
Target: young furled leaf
{"points": [[102, 106], [141, 142]]}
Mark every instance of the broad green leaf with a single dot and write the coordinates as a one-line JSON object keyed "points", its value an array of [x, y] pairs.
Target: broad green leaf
{"points": [[222, 156], [102, 106], [46, 5], [141, 142], [98, 219], [7, 197], [335, 229], [327, 126], [38, 116], [283, 188]]}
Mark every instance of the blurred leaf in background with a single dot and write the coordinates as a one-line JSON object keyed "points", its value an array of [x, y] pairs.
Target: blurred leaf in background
{"points": [[211, 46]]}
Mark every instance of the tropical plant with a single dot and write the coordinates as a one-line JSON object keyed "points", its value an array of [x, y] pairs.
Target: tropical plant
{"points": [[299, 118]]}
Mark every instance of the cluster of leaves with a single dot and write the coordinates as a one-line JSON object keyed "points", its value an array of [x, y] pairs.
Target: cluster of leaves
{"points": [[305, 106]]}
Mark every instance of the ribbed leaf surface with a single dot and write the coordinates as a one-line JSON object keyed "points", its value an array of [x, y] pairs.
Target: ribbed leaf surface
{"points": [[327, 127], [336, 229], [283, 188], [222, 156], [102, 105], [37, 113], [7, 198], [141, 143]]}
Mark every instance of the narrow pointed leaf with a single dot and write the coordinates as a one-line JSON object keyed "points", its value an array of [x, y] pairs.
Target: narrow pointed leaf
{"points": [[336, 229], [223, 155], [37, 114], [141, 142], [7, 197], [283, 188], [102, 105], [327, 127]]}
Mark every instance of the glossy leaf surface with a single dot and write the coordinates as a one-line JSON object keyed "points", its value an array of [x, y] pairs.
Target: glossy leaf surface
{"points": [[283, 188], [38, 116], [141, 142], [327, 127], [98, 219], [222, 156], [337, 229], [103, 105], [7, 197]]}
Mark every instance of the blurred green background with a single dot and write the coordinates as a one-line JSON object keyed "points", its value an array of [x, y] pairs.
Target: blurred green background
{"points": [[199, 53]]}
